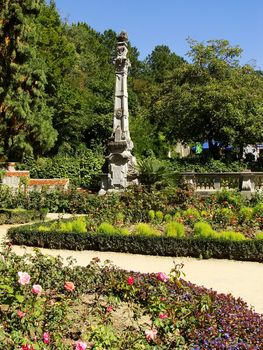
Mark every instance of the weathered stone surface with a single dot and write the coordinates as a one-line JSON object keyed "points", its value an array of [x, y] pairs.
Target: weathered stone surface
{"points": [[121, 163]]}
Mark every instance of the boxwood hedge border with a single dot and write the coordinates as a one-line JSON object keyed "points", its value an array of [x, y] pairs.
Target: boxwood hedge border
{"points": [[248, 250]]}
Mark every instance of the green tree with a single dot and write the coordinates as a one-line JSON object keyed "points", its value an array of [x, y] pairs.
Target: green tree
{"points": [[25, 118], [213, 98]]}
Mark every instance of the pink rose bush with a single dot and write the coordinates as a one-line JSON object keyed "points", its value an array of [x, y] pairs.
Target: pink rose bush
{"points": [[80, 345], [69, 286], [150, 334], [24, 278], [46, 338], [36, 289], [162, 316], [162, 277]]}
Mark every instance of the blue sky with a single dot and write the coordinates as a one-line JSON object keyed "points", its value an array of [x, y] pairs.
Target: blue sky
{"points": [[169, 22]]}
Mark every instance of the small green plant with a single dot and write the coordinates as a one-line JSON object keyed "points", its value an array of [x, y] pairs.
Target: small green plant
{"points": [[151, 215], [105, 227], [203, 229], [119, 218], [145, 230], [159, 216], [174, 229], [259, 235], [245, 215], [168, 218], [191, 215]]}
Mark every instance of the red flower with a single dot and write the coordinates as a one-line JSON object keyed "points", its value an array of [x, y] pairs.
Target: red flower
{"points": [[69, 286], [130, 280], [20, 314], [109, 308]]}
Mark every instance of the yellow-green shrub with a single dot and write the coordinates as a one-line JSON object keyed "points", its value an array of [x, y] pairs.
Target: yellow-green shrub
{"points": [[231, 235], [259, 235], [203, 229], [146, 230], [174, 229], [105, 227]]}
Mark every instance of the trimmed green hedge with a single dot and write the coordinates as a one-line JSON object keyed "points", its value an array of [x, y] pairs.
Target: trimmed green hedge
{"points": [[247, 250], [20, 216]]}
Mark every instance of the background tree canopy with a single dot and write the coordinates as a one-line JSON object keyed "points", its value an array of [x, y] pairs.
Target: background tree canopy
{"points": [[57, 86]]}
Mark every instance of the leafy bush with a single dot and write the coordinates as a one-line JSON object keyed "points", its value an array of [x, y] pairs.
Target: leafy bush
{"points": [[203, 229], [145, 230], [107, 228], [245, 215], [151, 214], [168, 217], [174, 229], [259, 235], [231, 235], [224, 216], [82, 168], [159, 216]]}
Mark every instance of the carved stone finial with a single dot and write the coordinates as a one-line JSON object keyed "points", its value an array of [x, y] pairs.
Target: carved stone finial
{"points": [[123, 36]]}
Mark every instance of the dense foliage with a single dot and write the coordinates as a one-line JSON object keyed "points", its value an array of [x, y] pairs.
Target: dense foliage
{"points": [[47, 304], [57, 83]]}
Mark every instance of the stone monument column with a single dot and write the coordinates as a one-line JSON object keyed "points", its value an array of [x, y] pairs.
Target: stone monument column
{"points": [[121, 163]]}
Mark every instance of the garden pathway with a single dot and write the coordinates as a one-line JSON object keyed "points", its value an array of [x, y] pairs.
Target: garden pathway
{"points": [[241, 279]]}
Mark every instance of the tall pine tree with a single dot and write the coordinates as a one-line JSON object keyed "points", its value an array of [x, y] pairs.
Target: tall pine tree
{"points": [[25, 118]]}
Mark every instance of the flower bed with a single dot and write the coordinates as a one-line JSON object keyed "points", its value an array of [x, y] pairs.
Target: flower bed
{"points": [[46, 304]]}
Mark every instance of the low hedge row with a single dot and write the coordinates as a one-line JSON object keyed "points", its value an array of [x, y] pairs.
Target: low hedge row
{"points": [[20, 216], [248, 250]]}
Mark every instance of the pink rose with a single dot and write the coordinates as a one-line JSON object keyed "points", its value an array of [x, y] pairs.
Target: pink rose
{"points": [[24, 278], [109, 308], [20, 314], [80, 345], [69, 286], [46, 338], [163, 316], [150, 334], [162, 277], [130, 280], [36, 289]]}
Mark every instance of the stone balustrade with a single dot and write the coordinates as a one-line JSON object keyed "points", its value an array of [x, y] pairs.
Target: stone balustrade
{"points": [[212, 182]]}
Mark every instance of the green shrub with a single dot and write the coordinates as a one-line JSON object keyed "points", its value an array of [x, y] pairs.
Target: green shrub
{"points": [[259, 235], [191, 215], [258, 210], [119, 218], [174, 229], [245, 215], [43, 228], [159, 216], [168, 218], [203, 229], [79, 225], [123, 231], [145, 230], [231, 235], [151, 215], [224, 216], [107, 228]]}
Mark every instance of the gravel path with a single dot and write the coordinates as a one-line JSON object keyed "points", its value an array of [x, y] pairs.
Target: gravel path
{"points": [[241, 279]]}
